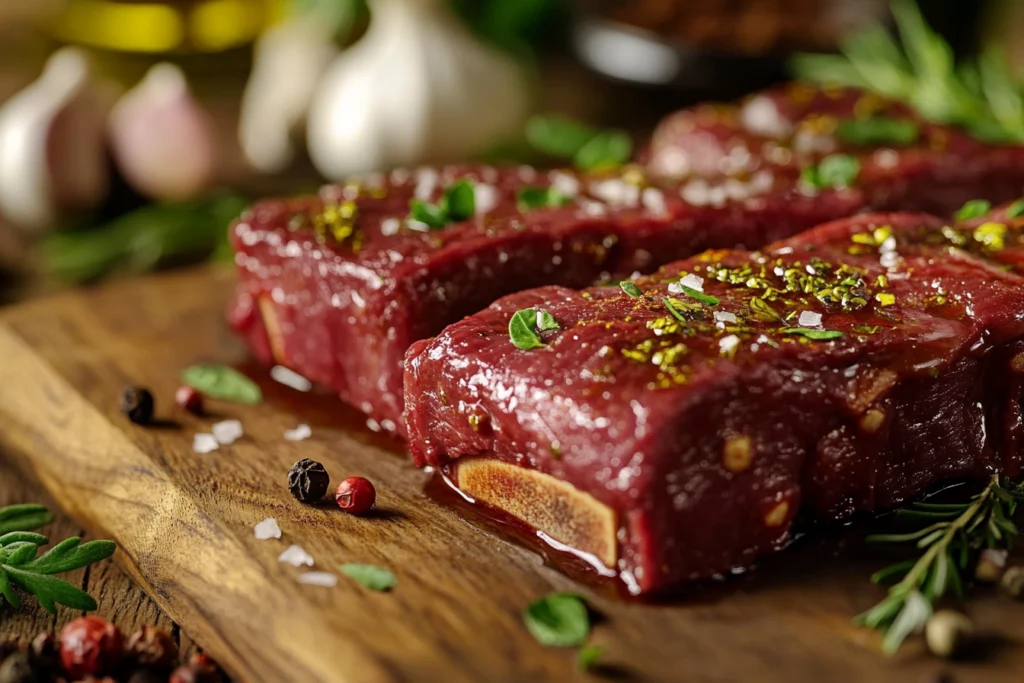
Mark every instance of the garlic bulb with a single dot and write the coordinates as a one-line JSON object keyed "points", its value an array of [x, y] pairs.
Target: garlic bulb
{"points": [[52, 156], [289, 61], [162, 138], [417, 87]]}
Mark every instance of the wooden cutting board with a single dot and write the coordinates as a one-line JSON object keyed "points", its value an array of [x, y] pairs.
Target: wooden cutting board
{"points": [[184, 524]]}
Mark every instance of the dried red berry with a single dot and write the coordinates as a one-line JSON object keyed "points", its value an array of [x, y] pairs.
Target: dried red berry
{"points": [[356, 495], [152, 647], [189, 399], [90, 646], [190, 673]]}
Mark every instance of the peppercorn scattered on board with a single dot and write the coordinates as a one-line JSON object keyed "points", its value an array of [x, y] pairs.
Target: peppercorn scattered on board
{"points": [[185, 521]]}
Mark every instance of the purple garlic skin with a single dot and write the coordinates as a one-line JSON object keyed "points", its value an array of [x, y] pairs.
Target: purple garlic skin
{"points": [[162, 137]]}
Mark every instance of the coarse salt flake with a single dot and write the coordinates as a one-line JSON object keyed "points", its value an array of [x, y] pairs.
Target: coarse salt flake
{"points": [[728, 343], [390, 226], [693, 282], [300, 433], [725, 317], [227, 432], [809, 319], [290, 378], [325, 579], [296, 557], [486, 198], [267, 529], [204, 443]]}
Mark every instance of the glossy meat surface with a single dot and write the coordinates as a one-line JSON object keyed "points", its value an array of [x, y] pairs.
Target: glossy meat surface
{"points": [[708, 434]]}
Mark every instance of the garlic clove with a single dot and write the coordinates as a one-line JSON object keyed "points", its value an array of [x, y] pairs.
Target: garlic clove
{"points": [[162, 137], [52, 156], [417, 87], [288, 63]]}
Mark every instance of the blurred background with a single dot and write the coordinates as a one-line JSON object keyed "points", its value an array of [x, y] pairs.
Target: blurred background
{"points": [[132, 131]]}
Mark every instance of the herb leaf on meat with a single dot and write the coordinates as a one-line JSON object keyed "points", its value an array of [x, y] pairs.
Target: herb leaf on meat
{"points": [[222, 383], [705, 299], [525, 326], [457, 204], [589, 148], [973, 209], [817, 335], [836, 172], [630, 289], [540, 198], [878, 130]]}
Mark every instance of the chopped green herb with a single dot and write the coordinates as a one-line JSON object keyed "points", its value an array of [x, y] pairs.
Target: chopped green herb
{"points": [[973, 209], [558, 620], [458, 203], [706, 299], [763, 311], [867, 329], [588, 656], [525, 326], [604, 150], [630, 289], [371, 576], [834, 172], [222, 383], [817, 335], [1015, 210], [20, 567], [878, 130], [672, 309], [558, 136], [540, 198], [23, 518]]}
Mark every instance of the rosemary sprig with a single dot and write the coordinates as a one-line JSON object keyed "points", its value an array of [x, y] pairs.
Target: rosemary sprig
{"points": [[920, 70], [23, 518], [952, 536]]}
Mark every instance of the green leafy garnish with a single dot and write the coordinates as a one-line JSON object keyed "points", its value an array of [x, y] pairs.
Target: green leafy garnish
{"points": [[973, 209], [371, 576], [878, 130], [673, 310], [951, 536], [588, 656], [458, 203], [1015, 210], [23, 518], [222, 383], [540, 198], [705, 299], [836, 172], [630, 289], [763, 311], [558, 620], [20, 567], [526, 325], [981, 95], [817, 335], [588, 147]]}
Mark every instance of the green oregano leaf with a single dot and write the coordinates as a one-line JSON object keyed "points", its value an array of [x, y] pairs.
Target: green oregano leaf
{"points": [[525, 326], [459, 201], [817, 335], [371, 576], [540, 198], [606, 149], [546, 322], [630, 289], [558, 620], [706, 299], [878, 130], [973, 209], [588, 656], [431, 215], [558, 136], [222, 383], [838, 171], [1015, 210], [763, 311]]}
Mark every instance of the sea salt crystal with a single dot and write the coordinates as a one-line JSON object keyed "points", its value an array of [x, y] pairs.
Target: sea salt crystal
{"points": [[296, 557], [809, 319], [290, 378], [889, 259], [227, 432], [390, 226], [729, 343], [567, 184], [300, 433], [204, 443], [426, 182], [693, 282], [486, 198], [725, 317], [653, 200], [267, 529], [325, 579]]}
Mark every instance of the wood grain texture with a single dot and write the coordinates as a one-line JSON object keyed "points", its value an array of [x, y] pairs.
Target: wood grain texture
{"points": [[184, 525]]}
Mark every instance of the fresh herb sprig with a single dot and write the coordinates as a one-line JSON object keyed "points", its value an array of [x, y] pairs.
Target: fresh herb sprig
{"points": [[952, 537], [920, 70], [457, 204], [526, 325], [23, 518], [587, 147]]}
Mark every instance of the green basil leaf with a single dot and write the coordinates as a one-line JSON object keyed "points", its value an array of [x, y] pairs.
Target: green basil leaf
{"points": [[630, 289], [540, 198], [522, 329], [838, 171], [546, 322], [371, 576], [558, 136], [588, 656], [1015, 210], [459, 201], [222, 383], [604, 150], [706, 299], [973, 209], [558, 620], [817, 335], [878, 130], [433, 216]]}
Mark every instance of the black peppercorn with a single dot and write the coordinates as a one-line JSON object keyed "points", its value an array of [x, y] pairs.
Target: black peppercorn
{"points": [[137, 404], [308, 481], [18, 668]]}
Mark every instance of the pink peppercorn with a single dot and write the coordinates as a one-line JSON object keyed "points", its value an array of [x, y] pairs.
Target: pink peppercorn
{"points": [[90, 646], [356, 495], [189, 399]]}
